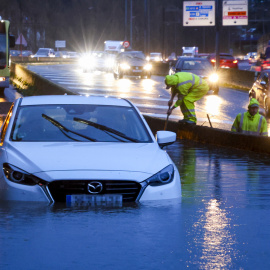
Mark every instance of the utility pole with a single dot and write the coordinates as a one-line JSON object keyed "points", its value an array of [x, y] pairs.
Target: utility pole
{"points": [[217, 34], [126, 19], [130, 42]]}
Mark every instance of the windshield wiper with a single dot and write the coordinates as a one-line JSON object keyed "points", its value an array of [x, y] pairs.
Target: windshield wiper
{"points": [[104, 128], [63, 128]]}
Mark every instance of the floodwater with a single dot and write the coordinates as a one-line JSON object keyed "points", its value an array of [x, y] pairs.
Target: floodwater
{"points": [[222, 222]]}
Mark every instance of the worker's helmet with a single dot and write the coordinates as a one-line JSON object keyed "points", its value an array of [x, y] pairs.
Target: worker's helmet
{"points": [[253, 103], [171, 80]]}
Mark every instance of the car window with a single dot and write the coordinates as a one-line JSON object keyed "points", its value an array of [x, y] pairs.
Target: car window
{"points": [[227, 56], [32, 125], [5, 125], [195, 65]]}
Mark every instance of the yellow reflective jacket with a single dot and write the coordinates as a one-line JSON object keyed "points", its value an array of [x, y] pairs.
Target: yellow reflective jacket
{"points": [[187, 81], [251, 125]]}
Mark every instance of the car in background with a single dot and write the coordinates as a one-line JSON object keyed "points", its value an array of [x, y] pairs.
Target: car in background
{"points": [[45, 52], [83, 150], [200, 67], [97, 60], [155, 57], [225, 60], [261, 91], [250, 54], [132, 63], [27, 53], [253, 58], [73, 55], [62, 54], [14, 53]]}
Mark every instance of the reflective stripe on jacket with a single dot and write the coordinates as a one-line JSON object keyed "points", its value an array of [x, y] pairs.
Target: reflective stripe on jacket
{"points": [[251, 125], [187, 81]]}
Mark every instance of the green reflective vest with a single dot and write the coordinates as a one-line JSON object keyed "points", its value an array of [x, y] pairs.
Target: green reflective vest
{"points": [[251, 125], [187, 81]]}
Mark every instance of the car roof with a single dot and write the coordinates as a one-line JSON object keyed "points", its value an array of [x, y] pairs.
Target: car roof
{"points": [[73, 99]]}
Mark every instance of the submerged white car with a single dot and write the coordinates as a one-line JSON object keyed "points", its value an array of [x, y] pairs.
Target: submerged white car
{"points": [[83, 150]]}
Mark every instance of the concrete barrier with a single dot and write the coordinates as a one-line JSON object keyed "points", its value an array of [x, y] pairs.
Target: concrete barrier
{"points": [[31, 84], [212, 135], [52, 60]]}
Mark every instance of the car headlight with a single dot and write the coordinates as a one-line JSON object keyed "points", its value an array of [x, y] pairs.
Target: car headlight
{"points": [[148, 67], [163, 177], [213, 78], [124, 66], [20, 176]]}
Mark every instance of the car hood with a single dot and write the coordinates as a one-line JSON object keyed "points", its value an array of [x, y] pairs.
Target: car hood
{"points": [[200, 72], [136, 62], [37, 157]]}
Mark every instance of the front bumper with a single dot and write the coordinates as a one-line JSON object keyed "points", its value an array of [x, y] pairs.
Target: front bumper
{"points": [[56, 191]]}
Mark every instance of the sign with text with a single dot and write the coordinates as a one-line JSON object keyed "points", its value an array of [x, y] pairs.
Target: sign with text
{"points": [[60, 44], [235, 12], [199, 13]]}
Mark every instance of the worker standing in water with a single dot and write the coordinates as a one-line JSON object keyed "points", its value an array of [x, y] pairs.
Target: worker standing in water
{"points": [[189, 88]]}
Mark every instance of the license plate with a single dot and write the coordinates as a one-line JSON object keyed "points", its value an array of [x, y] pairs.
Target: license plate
{"points": [[137, 70], [94, 200]]}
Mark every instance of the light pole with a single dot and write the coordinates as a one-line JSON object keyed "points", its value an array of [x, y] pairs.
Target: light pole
{"points": [[130, 41]]}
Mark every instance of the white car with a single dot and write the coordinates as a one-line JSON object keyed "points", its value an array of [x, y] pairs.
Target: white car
{"points": [[83, 150], [45, 52]]}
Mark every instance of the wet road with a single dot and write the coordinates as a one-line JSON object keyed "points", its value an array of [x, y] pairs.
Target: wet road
{"points": [[149, 95], [222, 222]]}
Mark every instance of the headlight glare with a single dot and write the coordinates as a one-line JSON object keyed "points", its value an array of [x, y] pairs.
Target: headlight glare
{"points": [[163, 177], [213, 78], [148, 67], [124, 66]]}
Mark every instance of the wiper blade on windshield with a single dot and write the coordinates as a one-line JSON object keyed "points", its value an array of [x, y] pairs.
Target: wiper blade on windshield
{"points": [[63, 128], [104, 128]]}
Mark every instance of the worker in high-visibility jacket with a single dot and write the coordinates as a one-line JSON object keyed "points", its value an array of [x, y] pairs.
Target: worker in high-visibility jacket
{"points": [[189, 88], [250, 122]]}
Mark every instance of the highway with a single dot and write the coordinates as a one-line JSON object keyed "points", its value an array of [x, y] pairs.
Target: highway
{"points": [[149, 95]]}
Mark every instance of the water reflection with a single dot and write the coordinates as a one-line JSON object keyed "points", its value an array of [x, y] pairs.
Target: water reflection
{"points": [[218, 241], [213, 104]]}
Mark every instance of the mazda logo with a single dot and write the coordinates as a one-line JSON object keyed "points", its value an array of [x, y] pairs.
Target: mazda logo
{"points": [[94, 187]]}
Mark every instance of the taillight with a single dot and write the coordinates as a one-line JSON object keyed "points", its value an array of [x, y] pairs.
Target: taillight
{"points": [[213, 60], [235, 61]]}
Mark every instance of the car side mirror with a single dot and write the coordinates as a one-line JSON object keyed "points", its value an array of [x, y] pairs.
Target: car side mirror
{"points": [[165, 138], [11, 41]]}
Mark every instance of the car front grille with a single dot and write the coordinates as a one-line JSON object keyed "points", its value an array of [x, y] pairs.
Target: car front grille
{"points": [[60, 188]]}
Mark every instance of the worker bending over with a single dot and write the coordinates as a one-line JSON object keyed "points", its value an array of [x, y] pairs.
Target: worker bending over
{"points": [[189, 88], [250, 122]]}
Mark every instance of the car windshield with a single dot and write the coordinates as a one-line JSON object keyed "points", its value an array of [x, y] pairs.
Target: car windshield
{"points": [[79, 122], [196, 65], [137, 55], [43, 52]]}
